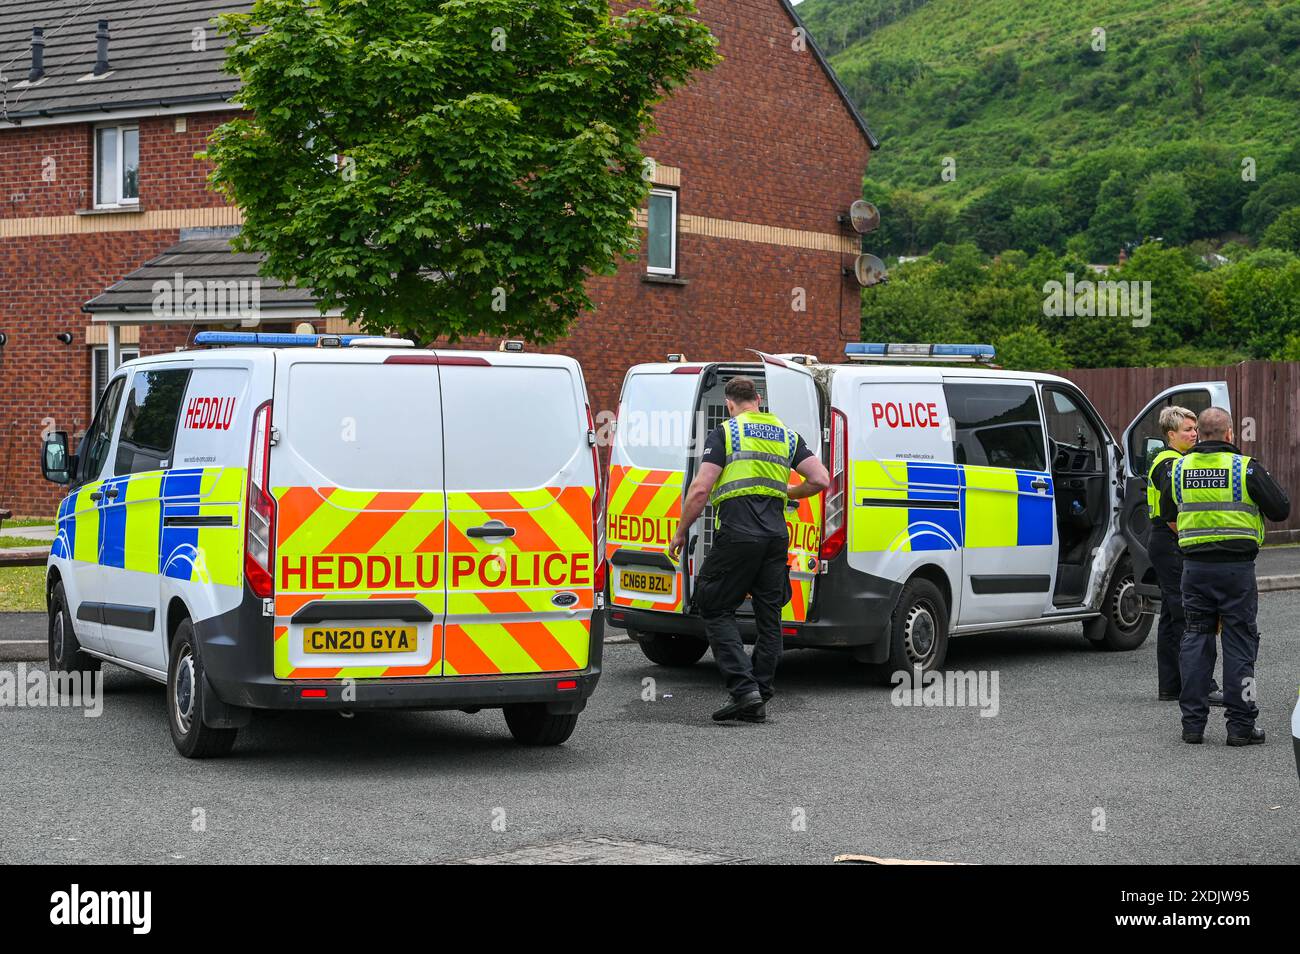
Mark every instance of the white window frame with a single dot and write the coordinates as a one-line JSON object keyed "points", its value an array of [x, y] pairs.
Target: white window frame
{"points": [[119, 202], [98, 357], [672, 269]]}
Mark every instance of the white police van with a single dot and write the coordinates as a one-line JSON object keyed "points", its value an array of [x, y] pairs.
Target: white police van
{"points": [[963, 500], [325, 522]]}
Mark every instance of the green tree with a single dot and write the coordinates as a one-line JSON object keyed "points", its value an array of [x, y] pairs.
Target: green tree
{"points": [[1164, 209], [448, 168], [1029, 349], [1284, 232], [1271, 198]]}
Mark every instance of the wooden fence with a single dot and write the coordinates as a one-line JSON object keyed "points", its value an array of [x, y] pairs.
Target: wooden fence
{"points": [[1265, 410]]}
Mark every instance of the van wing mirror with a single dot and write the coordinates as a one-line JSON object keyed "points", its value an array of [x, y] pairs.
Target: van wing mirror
{"points": [[57, 464]]}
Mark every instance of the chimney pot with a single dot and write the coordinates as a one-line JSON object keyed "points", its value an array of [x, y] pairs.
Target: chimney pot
{"points": [[101, 48], [38, 55]]}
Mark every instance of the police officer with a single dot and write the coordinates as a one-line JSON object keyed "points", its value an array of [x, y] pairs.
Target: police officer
{"points": [[1178, 425], [745, 474], [1220, 495]]}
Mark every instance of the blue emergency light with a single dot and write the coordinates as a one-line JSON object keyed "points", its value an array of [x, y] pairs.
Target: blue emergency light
{"points": [[260, 339], [862, 351]]}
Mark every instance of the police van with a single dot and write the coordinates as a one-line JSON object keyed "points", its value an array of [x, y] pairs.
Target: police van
{"points": [[963, 499], [325, 522]]}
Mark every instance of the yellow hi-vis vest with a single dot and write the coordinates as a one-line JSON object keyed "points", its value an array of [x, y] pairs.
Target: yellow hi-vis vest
{"points": [[760, 451], [1153, 492], [1214, 503]]}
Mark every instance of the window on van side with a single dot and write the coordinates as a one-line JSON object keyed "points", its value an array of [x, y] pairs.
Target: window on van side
{"points": [[995, 425], [95, 445], [153, 408]]}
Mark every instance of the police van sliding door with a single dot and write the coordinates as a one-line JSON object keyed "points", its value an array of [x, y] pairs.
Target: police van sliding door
{"points": [[647, 469], [357, 473], [1007, 500], [792, 396], [520, 547]]}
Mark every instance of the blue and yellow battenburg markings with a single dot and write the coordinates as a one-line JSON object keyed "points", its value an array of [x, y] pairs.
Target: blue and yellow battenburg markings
{"points": [[130, 530], [913, 506]]}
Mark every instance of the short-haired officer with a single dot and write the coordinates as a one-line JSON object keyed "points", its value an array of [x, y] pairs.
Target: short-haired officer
{"points": [[1222, 497], [1178, 425], [745, 473]]}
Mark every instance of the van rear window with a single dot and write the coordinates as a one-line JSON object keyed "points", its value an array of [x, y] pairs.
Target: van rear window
{"points": [[367, 426], [656, 419], [511, 428]]}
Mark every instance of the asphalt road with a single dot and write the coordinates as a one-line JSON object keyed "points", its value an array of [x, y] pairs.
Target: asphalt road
{"points": [[1079, 739]]}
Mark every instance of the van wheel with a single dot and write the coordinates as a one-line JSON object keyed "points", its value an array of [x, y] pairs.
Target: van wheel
{"points": [[918, 632], [66, 654], [675, 652], [1123, 626], [185, 689], [531, 724]]}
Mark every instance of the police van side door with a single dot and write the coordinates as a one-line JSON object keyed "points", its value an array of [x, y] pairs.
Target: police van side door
{"points": [[647, 476], [1141, 442], [792, 396]]}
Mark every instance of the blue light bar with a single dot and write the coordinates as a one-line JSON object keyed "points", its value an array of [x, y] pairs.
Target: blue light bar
{"points": [[259, 339], [860, 348], [963, 350], [921, 352]]}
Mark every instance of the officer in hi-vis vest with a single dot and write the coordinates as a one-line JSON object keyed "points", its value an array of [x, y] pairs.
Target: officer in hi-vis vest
{"points": [[1222, 498], [745, 473], [1178, 425]]}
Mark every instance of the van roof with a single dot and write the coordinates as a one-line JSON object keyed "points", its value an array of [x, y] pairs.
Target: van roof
{"points": [[366, 355], [883, 372]]}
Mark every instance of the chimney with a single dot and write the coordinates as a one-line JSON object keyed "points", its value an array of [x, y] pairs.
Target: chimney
{"points": [[38, 55], [101, 49]]}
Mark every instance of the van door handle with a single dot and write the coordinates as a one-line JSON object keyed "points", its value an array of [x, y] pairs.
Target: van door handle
{"points": [[1038, 483], [493, 528], [111, 493]]}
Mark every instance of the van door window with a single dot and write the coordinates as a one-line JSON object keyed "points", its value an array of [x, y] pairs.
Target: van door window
{"points": [[1075, 440], [153, 408], [95, 445], [995, 425], [510, 428], [1146, 439]]}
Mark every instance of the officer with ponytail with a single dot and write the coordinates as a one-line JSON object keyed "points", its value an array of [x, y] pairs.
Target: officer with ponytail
{"points": [[745, 474], [1222, 498]]}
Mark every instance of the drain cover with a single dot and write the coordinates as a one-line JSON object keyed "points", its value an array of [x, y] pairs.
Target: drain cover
{"points": [[601, 851]]}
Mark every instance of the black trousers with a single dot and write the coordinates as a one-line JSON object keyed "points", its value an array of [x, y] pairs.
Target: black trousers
{"points": [[1167, 559], [738, 566], [1215, 593]]}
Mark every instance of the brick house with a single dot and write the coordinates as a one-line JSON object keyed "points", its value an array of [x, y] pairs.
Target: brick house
{"points": [[100, 194]]}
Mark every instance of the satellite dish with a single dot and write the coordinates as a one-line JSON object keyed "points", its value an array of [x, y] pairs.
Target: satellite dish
{"points": [[864, 216], [869, 270]]}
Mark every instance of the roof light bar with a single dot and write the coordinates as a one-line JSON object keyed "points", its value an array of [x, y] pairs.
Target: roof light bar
{"points": [[947, 353], [260, 339]]}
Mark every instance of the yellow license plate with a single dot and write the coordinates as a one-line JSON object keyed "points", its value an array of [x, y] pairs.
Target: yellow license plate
{"points": [[360, 639], [656, 584]]}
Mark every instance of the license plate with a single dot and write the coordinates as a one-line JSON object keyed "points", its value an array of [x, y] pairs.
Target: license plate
{"points": [[359, 639], [638, 581]]}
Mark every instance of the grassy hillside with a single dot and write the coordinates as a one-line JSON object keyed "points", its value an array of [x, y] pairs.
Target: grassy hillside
{"points": [[1053, 140]]}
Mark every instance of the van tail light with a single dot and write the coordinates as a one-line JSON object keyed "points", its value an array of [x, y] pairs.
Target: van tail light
{"points": [[597, 512], [834, 513], [259, 533]]}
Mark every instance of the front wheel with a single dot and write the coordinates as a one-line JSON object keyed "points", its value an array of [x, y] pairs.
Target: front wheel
{"points": [[1123, 626], [675, 652], [186, 687], [531, 724], [65, 652]]}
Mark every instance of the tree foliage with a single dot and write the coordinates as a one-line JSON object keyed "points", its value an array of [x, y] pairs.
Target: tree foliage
{"points": [[448, 168]]}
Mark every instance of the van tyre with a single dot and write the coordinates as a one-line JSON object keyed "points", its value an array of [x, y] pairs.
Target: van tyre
{"points": [[918, 630], [675, 652], [1122, 626], [531, 724], [186, 687], [65, 652]]}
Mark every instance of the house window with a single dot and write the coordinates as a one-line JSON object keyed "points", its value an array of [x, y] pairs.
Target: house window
{"points": [[117, 166], [99, 370], [662, 228]]}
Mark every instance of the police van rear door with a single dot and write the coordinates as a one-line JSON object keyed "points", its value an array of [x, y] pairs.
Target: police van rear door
{"points": [[521, 481], [356, 470], [647, 470], [1142, 441], [792, 396]]}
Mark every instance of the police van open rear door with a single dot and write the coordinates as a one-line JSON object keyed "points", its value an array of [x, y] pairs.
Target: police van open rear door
{"points": [[793, 397], [1142, 440], [647, 472]]}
